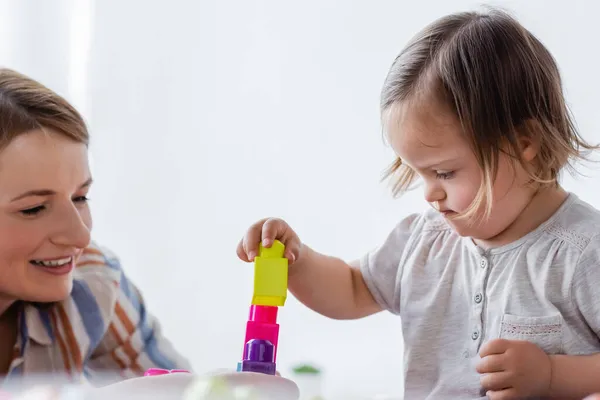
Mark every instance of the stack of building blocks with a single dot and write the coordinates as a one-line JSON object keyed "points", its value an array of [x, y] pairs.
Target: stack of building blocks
{"points": [[270, 292]]}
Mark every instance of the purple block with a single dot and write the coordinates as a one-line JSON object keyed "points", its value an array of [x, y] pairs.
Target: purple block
{"points": [[260, 354]]}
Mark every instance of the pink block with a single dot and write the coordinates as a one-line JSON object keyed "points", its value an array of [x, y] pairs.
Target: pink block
{"points": [[262, 324], [267, 314]]}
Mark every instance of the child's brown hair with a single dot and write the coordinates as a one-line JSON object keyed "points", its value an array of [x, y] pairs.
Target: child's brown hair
{"points": [[501, 82]]}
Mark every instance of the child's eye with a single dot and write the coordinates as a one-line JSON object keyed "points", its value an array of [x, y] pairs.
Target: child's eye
{"points": [[33, 211], [444, 175]]}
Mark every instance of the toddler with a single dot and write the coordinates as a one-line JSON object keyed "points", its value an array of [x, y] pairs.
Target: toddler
{"points": [[496, 284]]}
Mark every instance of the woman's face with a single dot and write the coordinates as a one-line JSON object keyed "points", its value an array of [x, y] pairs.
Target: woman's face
{"points": [[45, 220]]}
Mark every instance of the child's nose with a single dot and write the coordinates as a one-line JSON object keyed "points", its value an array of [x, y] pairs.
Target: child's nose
{"points": [[434, 193]]}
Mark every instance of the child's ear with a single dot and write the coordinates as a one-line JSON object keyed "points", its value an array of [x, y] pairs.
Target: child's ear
{"points": [[529, 141], [529, 149]]}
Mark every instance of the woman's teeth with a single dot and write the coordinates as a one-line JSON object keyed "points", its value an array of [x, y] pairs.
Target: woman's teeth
{"points": [[53, 263]]}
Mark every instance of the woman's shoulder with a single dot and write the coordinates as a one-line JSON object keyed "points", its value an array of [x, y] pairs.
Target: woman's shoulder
{"points": [[98, 264], [96, 255], [97, 283]]}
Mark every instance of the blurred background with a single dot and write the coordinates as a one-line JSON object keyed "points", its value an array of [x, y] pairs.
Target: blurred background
{"points": [[208, 115]]}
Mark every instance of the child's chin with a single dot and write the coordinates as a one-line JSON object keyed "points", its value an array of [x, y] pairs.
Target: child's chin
{"points": [[462, 228]]}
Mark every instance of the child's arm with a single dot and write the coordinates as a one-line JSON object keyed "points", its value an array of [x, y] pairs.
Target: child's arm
{"points": [[578, 376], [325, 284], [574, 377], [517, 369], [331, 286]]}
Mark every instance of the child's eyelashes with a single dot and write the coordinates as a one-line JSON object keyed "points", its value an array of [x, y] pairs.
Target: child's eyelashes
{"points": [[444, 174]]}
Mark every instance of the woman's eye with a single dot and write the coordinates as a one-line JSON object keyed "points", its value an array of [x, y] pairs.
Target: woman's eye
{"points": [[33, 210], [444, 175], [29, 212]]}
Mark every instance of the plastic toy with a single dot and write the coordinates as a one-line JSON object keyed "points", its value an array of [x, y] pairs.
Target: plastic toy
{"points": [[256, 377], [262, 325], [270, 291], [230, 385], [243, 386], [270, 276]]}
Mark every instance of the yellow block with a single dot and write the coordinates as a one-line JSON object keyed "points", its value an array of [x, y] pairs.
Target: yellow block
{"points": [[270, 276]]}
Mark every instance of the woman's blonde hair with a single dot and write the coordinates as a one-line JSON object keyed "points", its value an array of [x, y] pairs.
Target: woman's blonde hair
{"points": [[27, 105], [501, 83]]}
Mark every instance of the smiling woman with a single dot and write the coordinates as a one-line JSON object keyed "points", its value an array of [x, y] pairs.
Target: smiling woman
{"points": [[66, 306]]}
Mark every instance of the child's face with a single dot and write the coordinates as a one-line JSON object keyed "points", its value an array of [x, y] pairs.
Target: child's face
{"points": [[429, 139], [44, 218]]}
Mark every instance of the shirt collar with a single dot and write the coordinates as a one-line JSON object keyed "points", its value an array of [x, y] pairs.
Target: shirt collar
{"points": [[36, 325]]}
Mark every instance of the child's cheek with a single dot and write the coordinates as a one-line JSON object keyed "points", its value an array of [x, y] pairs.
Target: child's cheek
{"points": [[461, 194]]}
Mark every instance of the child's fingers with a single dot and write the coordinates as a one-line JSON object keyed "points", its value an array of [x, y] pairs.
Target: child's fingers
{"points": [[272, 229], [252, 239], [241, 251], [494, 346], [493, 363], [266, 231], [293, 248], [275, 228], [510, 393], [289, 254], [496, 380]]}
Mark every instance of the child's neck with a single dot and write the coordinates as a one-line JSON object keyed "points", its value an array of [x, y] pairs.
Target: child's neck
{"points": [[542, 206]]}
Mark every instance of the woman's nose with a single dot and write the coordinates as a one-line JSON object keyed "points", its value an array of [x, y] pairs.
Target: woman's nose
{"points": [[73, 229]]}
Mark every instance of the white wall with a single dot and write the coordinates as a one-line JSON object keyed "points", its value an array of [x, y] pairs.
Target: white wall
{"points": [[209, 115]]}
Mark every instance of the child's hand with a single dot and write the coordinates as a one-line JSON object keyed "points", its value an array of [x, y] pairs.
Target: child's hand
{"points": [[267, 230], [514, 369]]}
